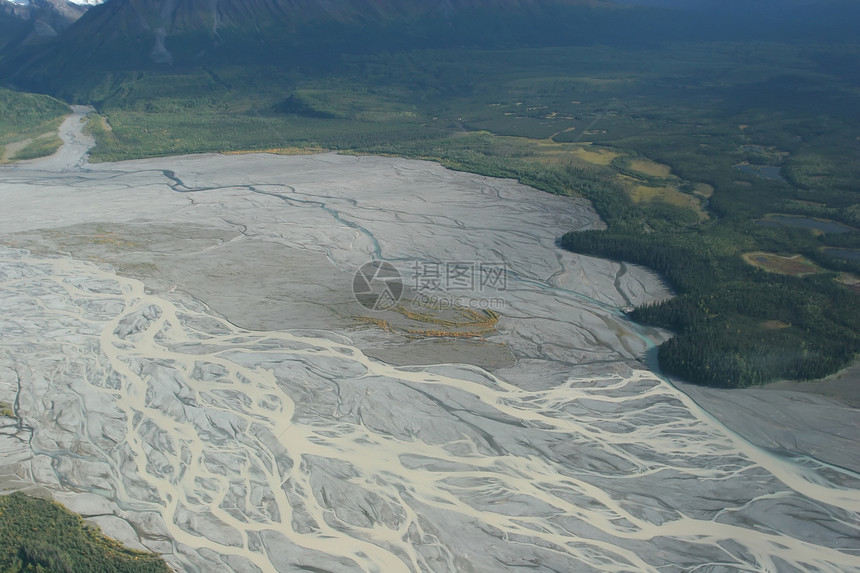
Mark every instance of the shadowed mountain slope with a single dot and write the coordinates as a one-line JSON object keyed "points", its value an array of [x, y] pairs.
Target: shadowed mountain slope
{"points": [[123, 35], [142, 35], [36, 21]]}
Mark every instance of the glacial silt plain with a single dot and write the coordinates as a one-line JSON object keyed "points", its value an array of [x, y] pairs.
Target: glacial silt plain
{"points": [[192, 372]]}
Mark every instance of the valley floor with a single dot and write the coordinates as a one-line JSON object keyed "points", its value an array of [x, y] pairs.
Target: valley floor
{"points": [[191, 370]]}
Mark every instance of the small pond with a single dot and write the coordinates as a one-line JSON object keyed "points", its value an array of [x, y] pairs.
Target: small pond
{"points": [[770, 172], [823, 225], [847, 254]]}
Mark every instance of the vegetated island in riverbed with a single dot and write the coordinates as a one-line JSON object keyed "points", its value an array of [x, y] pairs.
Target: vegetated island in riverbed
{"points": [[6, 410], [40, 535]]}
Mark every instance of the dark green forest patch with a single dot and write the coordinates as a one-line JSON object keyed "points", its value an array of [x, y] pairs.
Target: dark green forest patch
{"points": [[39, 535]]}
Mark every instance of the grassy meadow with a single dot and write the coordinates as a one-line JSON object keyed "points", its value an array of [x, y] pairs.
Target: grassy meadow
{"points": [[24, 115]]}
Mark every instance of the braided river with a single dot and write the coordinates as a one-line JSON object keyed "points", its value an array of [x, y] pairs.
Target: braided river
{"points": [[191, 372]]}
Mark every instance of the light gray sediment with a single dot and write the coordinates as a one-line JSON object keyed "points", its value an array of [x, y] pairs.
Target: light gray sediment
{"points": [[191, 371]]}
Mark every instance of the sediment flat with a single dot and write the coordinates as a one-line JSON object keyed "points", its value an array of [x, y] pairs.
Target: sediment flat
{"points": [[191, 370]]}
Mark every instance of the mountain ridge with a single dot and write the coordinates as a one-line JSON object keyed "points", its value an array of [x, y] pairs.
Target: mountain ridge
{"points": [[145, 34], [36, 21]]}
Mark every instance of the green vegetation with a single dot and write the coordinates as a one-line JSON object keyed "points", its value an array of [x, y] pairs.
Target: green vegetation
{"points": [[39, 147], [41, 536], [7, 410], [24, 115], [723, 313], [651, 136]]}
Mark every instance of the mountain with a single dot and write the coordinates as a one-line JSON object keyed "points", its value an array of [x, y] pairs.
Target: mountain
{"points": [[198, 27], [142, 34], [139, 35], [36, 21], [29, 23]]}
